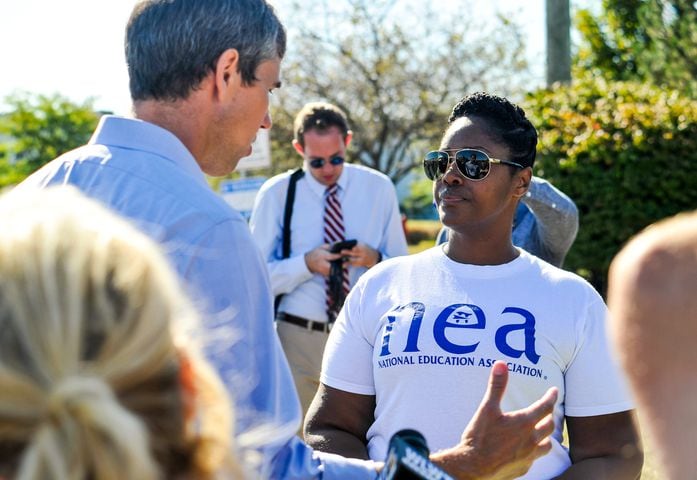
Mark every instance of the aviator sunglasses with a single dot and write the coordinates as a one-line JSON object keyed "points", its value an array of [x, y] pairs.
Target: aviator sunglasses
{"points": [[472, 164], [319, 162]]}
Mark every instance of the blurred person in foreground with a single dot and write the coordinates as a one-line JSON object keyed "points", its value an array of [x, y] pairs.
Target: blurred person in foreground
{"points": [[201, 73], [99, 375], [417, 335], [334, 201], [653, 322]]}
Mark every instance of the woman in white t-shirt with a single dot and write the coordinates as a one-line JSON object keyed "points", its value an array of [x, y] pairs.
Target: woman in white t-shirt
{"points": [[417, 336]]}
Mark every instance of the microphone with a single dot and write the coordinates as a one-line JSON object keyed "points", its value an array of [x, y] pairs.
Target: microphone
{"points": [[407, 459]]}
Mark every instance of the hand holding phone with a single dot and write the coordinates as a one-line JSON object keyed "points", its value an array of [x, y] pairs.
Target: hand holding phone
{"points": [[337, 247]]}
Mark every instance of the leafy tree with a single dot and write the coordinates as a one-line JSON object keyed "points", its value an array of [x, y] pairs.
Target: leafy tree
{"points": [[646, 40], [396, 68], [38, 129], [625, 152]]}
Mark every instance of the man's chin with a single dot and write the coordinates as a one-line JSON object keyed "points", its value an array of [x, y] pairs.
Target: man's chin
{"points": [[235, 160], [328, 181], [222, 168]]}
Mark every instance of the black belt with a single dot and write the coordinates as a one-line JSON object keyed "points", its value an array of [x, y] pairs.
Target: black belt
{"points": [[303, 322]]}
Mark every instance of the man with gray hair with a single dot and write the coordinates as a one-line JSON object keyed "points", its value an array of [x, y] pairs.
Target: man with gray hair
{"points": [[201, 72]]}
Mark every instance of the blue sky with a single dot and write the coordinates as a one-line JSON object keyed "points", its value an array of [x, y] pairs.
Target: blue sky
{"points": [[75, 47]]}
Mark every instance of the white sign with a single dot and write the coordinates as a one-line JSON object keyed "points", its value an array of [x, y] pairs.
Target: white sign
{"points": [[261, 153], [240, 193]]}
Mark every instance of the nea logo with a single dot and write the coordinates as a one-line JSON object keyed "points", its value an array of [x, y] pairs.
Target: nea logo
{"points": [[466, 316]]}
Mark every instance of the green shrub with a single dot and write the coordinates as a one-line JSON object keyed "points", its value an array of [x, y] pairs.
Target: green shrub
{"points": [[419, 231], [625, 152], [419, 203]]}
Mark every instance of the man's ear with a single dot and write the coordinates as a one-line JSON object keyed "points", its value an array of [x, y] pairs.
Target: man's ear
{"points": [[349, 137], [227, 75], [522, 182], [298, 148]]}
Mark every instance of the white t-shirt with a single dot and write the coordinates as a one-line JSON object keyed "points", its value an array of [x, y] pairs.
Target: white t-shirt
{"points": [[421, 333]]}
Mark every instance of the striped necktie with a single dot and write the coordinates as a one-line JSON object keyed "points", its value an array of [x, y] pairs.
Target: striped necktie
{"points": [[334, 232]]}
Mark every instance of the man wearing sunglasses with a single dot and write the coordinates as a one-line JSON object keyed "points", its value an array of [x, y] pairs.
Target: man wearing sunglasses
{"points": [[363, 208]]}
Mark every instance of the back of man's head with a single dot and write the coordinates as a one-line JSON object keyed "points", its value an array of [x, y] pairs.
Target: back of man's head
{"points": [[172, 45], [653, 313], [319, 116]]}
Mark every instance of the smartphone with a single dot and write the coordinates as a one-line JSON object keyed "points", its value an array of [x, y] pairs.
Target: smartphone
{"points": [[336, 247]]}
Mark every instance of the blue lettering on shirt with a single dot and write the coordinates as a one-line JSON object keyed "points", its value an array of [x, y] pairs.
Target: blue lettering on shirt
{"points": [[463, 315], [444, 322]]}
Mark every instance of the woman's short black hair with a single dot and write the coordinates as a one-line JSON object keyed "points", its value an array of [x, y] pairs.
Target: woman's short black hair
{"points": [[506, 120]]}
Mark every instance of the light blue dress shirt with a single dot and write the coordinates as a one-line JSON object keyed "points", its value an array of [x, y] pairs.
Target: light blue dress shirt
{"points": [[146, 174]]}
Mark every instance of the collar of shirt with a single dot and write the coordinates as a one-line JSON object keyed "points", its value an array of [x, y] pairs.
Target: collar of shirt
{"points": [[132, 133], [319, 189]]}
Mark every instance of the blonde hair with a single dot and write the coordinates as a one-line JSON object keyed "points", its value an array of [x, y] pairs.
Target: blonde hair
{"points": [[93, 347]]}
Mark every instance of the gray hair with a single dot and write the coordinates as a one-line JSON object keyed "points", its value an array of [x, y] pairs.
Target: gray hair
{"points": [[171, 45]]}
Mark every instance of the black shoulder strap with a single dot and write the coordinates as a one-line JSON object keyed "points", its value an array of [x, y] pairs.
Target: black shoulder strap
{"points": [[288, 212]]}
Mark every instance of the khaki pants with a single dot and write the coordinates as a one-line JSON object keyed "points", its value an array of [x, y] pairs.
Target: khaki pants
{"points": [[304, 349]]}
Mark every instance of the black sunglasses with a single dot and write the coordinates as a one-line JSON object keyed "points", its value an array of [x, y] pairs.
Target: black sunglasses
{"points": [[319, 162], [472, 164]]}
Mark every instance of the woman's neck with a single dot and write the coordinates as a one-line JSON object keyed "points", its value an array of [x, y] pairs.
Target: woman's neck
{"points": [[477, 248]]}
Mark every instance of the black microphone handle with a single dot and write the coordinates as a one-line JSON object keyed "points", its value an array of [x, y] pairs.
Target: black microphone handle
{"points": [[407, 459]]}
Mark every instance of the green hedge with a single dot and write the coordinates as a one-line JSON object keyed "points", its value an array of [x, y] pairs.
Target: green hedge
{"points": [[625, 152]]}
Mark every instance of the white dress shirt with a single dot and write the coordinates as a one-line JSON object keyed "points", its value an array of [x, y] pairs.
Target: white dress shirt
{"points": [[371, 215]]}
